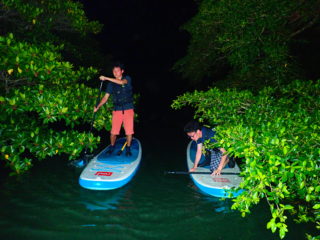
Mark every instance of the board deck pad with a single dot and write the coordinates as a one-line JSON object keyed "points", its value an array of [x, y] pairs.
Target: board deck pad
{"points": [[114, 159]]}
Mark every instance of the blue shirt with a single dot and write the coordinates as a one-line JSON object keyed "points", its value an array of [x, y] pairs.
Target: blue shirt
{"points": [[207, 134], [122, 96]]}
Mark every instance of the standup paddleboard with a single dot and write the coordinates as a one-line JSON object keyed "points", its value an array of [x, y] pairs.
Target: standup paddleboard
{"points": [[217, 186], [110, 171]]}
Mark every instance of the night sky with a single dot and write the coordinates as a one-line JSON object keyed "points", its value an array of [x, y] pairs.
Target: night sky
{"points": [[146, 36]]}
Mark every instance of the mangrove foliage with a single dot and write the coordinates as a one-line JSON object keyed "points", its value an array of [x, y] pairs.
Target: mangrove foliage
{"points": [[38, 88], [263, 115]]}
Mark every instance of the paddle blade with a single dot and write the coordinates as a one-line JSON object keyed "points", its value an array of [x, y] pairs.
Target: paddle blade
{"points": [[82, 162], [78, 163]]}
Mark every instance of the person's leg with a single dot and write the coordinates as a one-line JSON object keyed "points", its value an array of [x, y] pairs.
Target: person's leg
{"points": [[117, 119], [215, 159], [128, 127], [216, 156], [129, 140], [113, 139]]}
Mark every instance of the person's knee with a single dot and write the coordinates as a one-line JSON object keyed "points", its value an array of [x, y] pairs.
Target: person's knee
{"points": [[129, 129], [129, 133]]}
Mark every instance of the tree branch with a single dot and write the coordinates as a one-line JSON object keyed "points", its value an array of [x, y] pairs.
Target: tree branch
{"points": [[10, 83], [310, 24]]}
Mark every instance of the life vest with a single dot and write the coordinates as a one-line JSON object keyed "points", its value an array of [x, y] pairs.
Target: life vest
{"points": [[122, 95], [208, 134]]}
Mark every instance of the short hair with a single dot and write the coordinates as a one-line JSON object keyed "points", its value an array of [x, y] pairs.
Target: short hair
{"points": [[192, 126], [119, 65]]}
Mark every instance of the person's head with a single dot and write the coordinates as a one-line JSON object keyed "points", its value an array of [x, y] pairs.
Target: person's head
{"points": [[118, 70], [193, 130]]}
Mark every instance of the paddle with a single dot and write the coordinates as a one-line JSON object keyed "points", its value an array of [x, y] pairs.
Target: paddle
{"points": [[85, 157], [120, 151], [188, 173]]}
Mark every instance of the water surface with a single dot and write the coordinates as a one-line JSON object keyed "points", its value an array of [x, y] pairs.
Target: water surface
{"points": [[48, 203]]}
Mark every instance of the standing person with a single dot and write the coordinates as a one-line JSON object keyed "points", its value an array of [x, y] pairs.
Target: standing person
{"points": [[120, 88], [200, 134]]}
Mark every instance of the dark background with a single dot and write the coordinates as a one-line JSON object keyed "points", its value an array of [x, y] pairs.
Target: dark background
{"points": [[146, 37]]}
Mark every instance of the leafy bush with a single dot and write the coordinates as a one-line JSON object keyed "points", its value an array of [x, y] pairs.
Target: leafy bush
{"points": [[38, 88], [40, 20], [276, 133]]}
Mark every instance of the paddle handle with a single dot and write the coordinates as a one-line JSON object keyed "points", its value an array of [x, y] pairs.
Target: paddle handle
{"points": [[188, 173]]}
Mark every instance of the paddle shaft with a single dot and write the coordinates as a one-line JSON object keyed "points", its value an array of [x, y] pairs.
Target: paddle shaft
{"points": [[124, 145], [97, 103], [94, 114], [188, 173]]}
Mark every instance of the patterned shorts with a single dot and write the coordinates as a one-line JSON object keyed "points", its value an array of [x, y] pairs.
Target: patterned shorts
{"points": [[216, 155]]}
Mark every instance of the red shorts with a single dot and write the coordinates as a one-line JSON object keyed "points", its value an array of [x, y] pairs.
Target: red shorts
{"points": [[125, 117]]}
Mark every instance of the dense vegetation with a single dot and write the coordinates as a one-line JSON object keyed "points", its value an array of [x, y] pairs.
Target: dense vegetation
{"points": [[249, 38], [262, 114], [277, 134], [39, 88]]}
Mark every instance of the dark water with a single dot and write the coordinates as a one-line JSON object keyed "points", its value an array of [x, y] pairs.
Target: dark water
{"points": [[48, 203]]}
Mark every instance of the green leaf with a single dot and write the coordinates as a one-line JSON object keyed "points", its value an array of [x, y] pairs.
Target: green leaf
{"points": [[308, 198], [316, 206], [285, 150], [64, 110], [288, 207]]}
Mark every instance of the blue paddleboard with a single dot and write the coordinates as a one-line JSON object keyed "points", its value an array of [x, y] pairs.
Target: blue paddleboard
{"points": [[217, 186], [110, 171]]}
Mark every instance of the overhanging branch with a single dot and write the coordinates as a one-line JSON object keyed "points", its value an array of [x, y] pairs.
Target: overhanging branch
{"points": [[308, 25]]}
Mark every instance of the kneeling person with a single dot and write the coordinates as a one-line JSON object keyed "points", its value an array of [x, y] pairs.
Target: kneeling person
{"points": [[201, 134]]}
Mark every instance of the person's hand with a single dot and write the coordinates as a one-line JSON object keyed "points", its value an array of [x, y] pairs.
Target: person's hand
{"points": [[102, 78], [216, 172], [193, 169], [95, 109]]}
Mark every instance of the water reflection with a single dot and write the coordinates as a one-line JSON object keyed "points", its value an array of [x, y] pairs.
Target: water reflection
{"points": [[102, 200], [219, 205]]}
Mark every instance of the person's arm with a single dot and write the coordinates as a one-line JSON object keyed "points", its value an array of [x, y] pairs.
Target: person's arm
{"points": [[222, 163], [103, 101], [197, 158], [114, 80]]}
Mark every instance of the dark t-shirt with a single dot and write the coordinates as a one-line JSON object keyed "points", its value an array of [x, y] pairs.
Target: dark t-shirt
{"points": [[207, 133], [121, 94]]}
